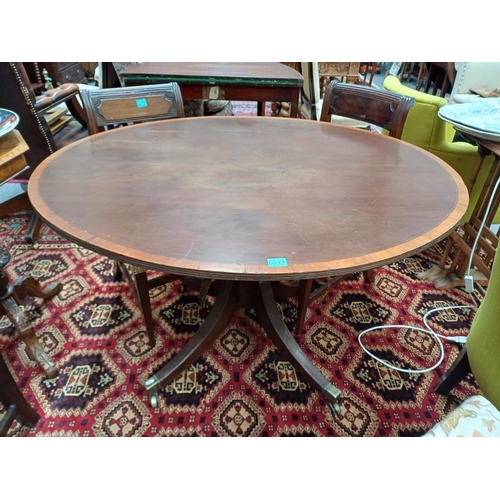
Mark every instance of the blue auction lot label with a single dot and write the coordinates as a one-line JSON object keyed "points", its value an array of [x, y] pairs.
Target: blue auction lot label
{"points": [[142, 103], [278, 262]]}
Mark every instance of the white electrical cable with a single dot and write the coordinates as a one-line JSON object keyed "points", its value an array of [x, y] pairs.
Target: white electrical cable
{"points": [[428, 330], [469, 285], [406, 327]]}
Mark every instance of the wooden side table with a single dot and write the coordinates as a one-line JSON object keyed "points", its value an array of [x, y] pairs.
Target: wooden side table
{"points": [[12, 163], [259, 82]]}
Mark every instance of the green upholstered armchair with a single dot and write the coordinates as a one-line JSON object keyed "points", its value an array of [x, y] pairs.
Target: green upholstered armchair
{"points": [[480, 414], [424, 128], [483, 341]]}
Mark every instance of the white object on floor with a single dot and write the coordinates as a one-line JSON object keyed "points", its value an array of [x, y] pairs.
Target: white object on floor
{"points": [[475, 417]]}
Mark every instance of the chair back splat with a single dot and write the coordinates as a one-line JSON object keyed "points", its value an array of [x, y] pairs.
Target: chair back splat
{"points": [[116, 107], [368, 104], [109, 108]]}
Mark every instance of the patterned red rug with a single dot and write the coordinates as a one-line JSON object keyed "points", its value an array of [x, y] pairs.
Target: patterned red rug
{"points": [[95, 333]]}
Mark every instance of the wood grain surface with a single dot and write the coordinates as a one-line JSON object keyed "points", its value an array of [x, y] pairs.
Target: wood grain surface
{"points": [[218, 196], [265, 72]]}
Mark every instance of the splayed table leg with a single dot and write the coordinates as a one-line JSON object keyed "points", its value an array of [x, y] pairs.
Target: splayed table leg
{"points": [[230, 296]]}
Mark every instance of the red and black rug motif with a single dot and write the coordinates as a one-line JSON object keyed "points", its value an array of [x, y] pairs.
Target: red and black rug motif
{"points": [[242, 386]]}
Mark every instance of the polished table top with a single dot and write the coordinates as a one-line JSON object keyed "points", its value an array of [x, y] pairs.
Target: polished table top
{"points": [[219, 196], [253, 73]]}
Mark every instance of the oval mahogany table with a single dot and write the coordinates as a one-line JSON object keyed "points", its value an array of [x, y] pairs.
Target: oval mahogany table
{"points": [[248, 202]]}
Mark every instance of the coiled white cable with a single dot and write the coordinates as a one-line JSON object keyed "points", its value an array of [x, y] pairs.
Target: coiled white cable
{"points": [[427, 330]]}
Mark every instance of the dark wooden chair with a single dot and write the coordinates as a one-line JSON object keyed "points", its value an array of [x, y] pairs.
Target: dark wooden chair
{"points": [[367, 72], [438, 77], [373, 106], [122, 106], [15, 405], [113, 107], [17, 95]]}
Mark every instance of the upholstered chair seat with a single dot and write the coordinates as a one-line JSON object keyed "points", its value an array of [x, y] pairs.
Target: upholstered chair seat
{"points": [[53, 97]]}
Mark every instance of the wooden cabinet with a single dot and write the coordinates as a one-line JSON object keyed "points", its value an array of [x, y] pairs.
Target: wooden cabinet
{"points": [[64, 72], [60, 72]]}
